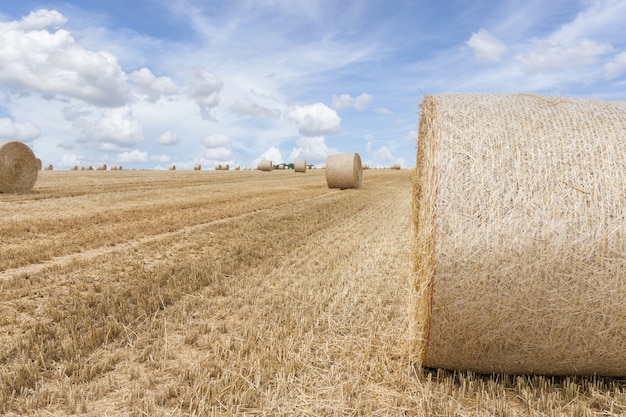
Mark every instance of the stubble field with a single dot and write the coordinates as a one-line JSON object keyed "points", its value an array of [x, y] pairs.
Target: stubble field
{"points": [[231, 293]]}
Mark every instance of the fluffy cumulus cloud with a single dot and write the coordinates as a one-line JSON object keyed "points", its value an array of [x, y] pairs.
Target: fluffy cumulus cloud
{"points": [[220, 153], [168, 138], [115, 128], [205, 88], [151, 86], [250, 108], [37, 56], [134, 156], [550, 56], [346, 101], [271, 154], [23, 132], [315, 120], [616, 67], [312, 149], [486, 46], [217, 141]]}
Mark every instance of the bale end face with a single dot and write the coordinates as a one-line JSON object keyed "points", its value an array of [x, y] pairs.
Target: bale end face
{"points": [[18, 168]]}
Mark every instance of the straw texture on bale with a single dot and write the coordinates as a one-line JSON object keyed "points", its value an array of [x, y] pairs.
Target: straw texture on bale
{"points": [[519, 214], [265, 165], [18, 167], [344, 171], [299, 165]]}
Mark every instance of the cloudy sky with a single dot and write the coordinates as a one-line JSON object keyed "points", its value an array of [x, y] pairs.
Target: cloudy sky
{"points": [[150, 83]]}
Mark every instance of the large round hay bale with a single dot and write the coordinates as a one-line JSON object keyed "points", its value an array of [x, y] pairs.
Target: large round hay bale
{"points": [[520, 235], [18, 167], [197, 167], [299, 165], [344, 171], [265, 165]]}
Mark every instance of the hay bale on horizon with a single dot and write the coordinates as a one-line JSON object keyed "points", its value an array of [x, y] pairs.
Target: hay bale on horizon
{"points": [[519, 255], [74, 168], [265, 165], [395, 166], [197, 167], [172, 168], [49, 167], [19, 167], [299, 165], [344, 171], [102, 167], [90, 168]]}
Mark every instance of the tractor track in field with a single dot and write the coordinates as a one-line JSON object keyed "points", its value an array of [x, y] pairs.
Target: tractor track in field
{"points": [[94, 253]]}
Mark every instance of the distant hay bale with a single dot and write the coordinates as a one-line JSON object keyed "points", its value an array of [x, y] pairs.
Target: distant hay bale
{"points": [[366, 166], [519, 256], [89, 168], [74, 168], [82, 168], [172, 168], [39, 164], [18, 167], [197, 167], [395, 166], [344, 171], [265, 165], [102, 167], [49, 167], [299, 165], [226, 167], [237, 167]]}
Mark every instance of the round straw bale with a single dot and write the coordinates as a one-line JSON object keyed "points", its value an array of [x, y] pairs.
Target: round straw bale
{"points": [[74, 168], [48, 167], [18, 167], [173, 168], [519, 214], [39, 164], [237, 167], [395, 166], [102, 167], [197, 167], [265, 165], [299, 165], [90, 168], [344, 171]]}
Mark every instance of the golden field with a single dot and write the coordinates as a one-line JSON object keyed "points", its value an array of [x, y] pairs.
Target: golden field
{"points": [[137, 293]]}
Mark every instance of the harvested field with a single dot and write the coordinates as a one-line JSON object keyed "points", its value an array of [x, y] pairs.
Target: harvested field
{"points": [[238, 293]]}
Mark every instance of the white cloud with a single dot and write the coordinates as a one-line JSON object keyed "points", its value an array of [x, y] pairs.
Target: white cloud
{"points": [[205, 88], [549, 56], [315, 120], [600, 18], [312, 149], [272, 154], [115, 128], [345, 101], [66, 145], [34, 58], [486, 46], [23, 132], [134, 156], [160, 159], [217, 141], [217, 154], [153, 87], [245, 106], [168, 138], [616, 67], [382, 110]]}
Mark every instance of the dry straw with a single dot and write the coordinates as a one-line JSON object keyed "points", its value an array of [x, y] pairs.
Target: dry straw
{"points": [[344, 171], [197, 167], [102, 167], [265, 165], [18, 168], [49, 167], [299, 165], [173, 168], [520, 235]]}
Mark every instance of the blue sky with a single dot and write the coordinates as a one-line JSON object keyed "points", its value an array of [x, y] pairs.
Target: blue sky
{"points": [[147, 84]]}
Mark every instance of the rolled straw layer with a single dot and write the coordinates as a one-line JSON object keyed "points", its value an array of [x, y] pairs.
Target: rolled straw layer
{"points": [[520, 235], [265, 165], [299, 165], [344, 171], [18, 167]]}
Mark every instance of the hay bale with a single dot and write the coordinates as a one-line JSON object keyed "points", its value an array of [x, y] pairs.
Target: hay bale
{"points": [[265, 165], [299, 165], [49, 167], [90, 168], [172, 168], [520, 235], [18, 167], [39, 164], [74, 168], [197, 167], [102, 167], [344, 171], [395, 166]]}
